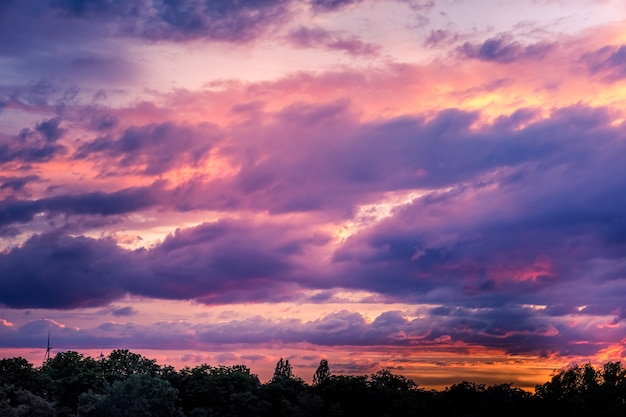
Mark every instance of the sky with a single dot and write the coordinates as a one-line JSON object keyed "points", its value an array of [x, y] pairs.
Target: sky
{"points": [[435, 187]]}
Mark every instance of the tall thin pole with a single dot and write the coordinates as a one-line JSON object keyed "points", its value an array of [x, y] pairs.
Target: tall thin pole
{"points": [[46, 358]]}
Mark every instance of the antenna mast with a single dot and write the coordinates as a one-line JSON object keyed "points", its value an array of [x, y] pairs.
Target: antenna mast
{"points": [[46, 358]]}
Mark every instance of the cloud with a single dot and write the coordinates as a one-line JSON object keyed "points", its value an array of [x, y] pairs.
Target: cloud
{"points": [[332, 5], [82, 8], [608, 60], [50, 130], [212, 263], [124, 312], [407, 153], [180, 20], [17, 183], [504, 50], [511, 242], [155, 147], [95, 203], [306, 37], [56, 271], [100, 122], [225, 261], [8, 232], [37, 145], [440, 37], [45, 94], [228, 21], [155, 20], [511, 330]]}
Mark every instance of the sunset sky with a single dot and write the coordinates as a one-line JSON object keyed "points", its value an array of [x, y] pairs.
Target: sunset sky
{"points": [[436, 187]]}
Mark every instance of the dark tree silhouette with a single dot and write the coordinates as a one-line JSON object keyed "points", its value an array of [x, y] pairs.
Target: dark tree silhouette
{"points": [[613, 384], [208, 389], [122, 363], [282, 370], [345, 395], [18, 402], [128, 384], [68, 375], [322, 373], [20, 373], [139, 395], [384, 379]]}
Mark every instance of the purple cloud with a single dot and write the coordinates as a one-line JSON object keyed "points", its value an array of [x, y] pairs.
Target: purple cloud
{"points": [[56, 271], [514, 330], [158, 147], [332, 5], [178, 20], [17, 183], [124, 311], [609, 60], [305, 37], [202, 263], [44, 94], [39, 145], [95, 203], [172, 20], [227, 21], [440, 37], [515, 251], [504, 50]]}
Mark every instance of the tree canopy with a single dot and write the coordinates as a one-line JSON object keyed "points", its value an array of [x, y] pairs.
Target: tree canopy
{"points": [[128, 384]]}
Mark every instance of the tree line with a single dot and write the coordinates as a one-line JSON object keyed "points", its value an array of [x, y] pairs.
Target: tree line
{"points": [[130, 385]]}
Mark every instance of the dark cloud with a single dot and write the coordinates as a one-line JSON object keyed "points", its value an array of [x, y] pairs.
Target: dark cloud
{"points": [[157, 20], [343, 162], [517, 119], [518, 331], [34, 153], [332, 5], [305, 37], [9, 231], [124, 311], [17, 183], [440, 37], [95, 203], [37, 145], [103, 122], [180, 20], [157, 147], [56, 271], [222, 21], [518, 253], [609, 60], [203, 263], [46, 94], [87, 42], [335, 329], [50, 130], [91, 8], [504, 50]]}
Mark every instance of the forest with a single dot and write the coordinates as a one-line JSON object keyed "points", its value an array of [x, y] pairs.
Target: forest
{"points": [[130, 385]]}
